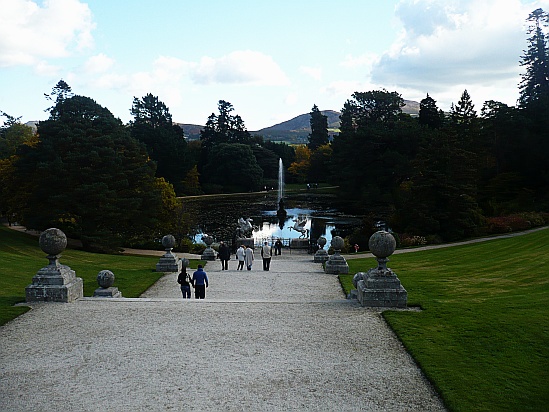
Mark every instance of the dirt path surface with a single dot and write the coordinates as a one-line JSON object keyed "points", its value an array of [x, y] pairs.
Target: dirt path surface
{"points": [[280, 340]]}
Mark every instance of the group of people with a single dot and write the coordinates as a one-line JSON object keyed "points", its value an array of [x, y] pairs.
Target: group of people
{"points": [[199, 282], [245, 257]]}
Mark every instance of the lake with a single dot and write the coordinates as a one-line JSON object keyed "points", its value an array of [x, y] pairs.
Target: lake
{"points": [[218, 216]]}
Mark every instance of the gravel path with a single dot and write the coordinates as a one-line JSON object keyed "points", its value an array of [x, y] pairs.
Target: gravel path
{"points": [[261, 341]]}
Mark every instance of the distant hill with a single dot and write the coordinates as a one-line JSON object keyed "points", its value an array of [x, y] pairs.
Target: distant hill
{"points": [[192, 131], [295, 130]]}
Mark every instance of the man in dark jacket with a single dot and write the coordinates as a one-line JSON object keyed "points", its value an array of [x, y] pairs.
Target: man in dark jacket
{"points": [[224, 255], [200, 283]]}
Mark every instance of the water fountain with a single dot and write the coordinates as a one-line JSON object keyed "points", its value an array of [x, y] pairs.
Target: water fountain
{"points": [[281, 212]]}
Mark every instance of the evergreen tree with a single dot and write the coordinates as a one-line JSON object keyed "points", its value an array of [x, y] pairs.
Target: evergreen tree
{"points": [[165, 141], [534, 104], [371, 154], [320, 164], [60, 92], [319, 129], [232, 167], [534, 87], [429, 113], [224, 128]]}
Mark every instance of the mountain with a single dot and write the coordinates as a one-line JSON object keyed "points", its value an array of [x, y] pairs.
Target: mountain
{"points": [[192, 131], [295, 130]]}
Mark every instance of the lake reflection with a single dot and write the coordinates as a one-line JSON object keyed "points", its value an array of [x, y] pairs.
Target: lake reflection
{"points": [[218, 217]]}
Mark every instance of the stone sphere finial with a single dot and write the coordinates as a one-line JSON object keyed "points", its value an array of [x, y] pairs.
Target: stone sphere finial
{"points": [[382, 244], [321, 242], [53, 241], [168, 242], [185, 262], [337, 243], [105, 279], [208, 240]]}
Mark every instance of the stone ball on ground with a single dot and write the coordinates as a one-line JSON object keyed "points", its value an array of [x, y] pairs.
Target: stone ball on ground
{"points": [[382, 244], [53, 241], [105, 279]]}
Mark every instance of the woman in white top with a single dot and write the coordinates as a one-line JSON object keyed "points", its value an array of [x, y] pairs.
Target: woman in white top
{"points": [[240, 255]]}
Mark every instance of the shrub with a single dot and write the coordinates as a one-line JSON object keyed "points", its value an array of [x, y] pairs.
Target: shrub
{"points": [[511, 223], [407, 240]]}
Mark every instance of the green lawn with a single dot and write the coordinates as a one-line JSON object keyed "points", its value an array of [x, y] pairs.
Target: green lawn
{"points": [[21, 257], [482, 337]]}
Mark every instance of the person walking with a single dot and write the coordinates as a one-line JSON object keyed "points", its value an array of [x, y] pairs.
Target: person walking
{"points": [[241, 255], [278, 247], [185, 281], [249, 257], [266, 254], [224, 255], [200, 283]]}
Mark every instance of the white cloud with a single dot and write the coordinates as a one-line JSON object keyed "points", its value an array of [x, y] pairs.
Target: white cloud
{"points": [[30, 32], [291, 99], [344, 89], [453, 45], [98, 64], [240, 67], [363, 61], [43, 68], [313, 72]]}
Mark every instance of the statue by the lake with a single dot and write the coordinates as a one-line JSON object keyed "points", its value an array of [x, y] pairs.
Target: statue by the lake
{"points": [[299, 226], [244, 228]]}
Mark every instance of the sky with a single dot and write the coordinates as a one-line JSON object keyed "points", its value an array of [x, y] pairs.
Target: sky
{"points": [[272, 60]]}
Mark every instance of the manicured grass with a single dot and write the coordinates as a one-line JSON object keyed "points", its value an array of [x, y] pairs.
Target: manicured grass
{"points": [[482, 337], [21, 258]]}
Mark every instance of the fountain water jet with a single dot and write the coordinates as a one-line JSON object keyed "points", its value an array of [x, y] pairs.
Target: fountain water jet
{"points": [[281, 212]]}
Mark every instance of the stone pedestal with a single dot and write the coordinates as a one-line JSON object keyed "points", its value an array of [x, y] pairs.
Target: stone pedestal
{"points": [[321, 255], [246, 241], [107, 293], [169, 262], [55, 282], [208, 254], [380, 288], [299, 243], [336, 263], [105, 279]]}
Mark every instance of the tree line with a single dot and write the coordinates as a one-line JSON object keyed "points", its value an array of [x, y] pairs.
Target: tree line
{"points": [[438, 174]]}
